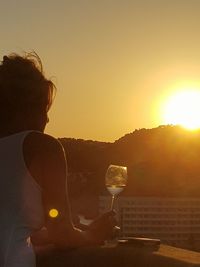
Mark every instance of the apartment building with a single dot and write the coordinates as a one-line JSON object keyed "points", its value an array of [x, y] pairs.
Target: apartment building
{"points": [[176, 221]]}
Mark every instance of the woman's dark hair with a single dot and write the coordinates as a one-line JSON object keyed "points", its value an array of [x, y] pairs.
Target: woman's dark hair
{"points": [[23, 87]]}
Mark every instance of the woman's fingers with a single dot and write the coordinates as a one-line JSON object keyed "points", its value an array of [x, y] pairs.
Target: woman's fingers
{"points": [[104, 227], [105, 220]]}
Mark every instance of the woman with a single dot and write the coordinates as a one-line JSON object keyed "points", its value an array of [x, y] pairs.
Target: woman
{"points": [[33, 168]]}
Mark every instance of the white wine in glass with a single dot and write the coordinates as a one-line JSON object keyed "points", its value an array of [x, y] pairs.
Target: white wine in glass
{"points": [[116, 180]]}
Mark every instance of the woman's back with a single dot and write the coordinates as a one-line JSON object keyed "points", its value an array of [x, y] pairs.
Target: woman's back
{"points": [[25, 98], [21, 209]]}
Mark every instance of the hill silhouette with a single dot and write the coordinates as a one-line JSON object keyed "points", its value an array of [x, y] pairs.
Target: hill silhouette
{"points": [[161, 161]]}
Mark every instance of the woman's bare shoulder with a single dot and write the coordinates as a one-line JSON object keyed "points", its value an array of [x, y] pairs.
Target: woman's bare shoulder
{"points": [[44, 144], [44, 157]]}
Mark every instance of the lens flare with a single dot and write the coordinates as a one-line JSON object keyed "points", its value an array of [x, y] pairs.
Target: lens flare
{"points": [[53, 213]]}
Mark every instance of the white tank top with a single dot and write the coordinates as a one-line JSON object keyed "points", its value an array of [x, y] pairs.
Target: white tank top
{"points": [[21, 209]]}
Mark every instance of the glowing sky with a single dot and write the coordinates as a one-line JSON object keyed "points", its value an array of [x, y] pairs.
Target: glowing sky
{"points": [[113, 62]]}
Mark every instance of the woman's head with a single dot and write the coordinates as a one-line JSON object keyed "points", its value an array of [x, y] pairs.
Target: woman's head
{"points": [[25, 94]]}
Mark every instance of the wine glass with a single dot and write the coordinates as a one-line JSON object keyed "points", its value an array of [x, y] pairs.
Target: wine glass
{"points": [[116, 179]]}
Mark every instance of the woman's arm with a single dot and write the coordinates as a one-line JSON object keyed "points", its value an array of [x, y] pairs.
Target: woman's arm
{"points": [[46, 161]]}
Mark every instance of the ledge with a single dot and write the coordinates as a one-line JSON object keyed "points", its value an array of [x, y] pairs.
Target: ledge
{"points": [[188, 257], [118, 256]]}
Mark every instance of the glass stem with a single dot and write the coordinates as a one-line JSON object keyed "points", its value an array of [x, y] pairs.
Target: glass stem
{"points": [[112, 202]]}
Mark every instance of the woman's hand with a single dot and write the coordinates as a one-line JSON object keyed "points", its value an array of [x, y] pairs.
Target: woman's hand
{"points": [[103, 228]]}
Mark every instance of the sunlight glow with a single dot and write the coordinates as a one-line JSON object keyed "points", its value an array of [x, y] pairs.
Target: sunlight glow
{"points": [[183, 108]]}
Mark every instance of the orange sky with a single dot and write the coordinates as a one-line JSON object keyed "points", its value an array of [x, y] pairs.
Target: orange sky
{"points": [[113, 62]]}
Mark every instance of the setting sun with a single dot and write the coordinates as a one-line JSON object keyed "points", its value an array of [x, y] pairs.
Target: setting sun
{"points": [[183, 108]]}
